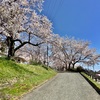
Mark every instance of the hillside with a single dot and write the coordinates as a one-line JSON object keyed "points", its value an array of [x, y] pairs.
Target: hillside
{"points": [[17, 79]]}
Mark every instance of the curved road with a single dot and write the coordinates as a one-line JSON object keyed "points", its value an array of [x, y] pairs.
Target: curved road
{"points": [[65, 86]]}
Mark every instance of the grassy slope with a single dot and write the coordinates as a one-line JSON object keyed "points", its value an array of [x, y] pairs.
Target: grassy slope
{"points": [[94, 82], [16, 79]]}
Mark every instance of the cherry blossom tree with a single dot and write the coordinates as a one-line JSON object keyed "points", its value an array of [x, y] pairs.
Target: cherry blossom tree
{"points": [[29, 52], [71, 51], [57, 56], [20, 17]]}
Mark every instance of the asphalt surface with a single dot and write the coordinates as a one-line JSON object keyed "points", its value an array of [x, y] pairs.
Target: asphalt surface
{"points": [[64, 86]]}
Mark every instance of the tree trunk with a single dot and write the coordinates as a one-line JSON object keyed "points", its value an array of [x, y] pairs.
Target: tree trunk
{"points": [[69, 66], [66, 67], [73, 65], [10, 44]]}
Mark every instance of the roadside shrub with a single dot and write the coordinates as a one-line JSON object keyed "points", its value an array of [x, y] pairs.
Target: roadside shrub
{"points": [[80, 69]]}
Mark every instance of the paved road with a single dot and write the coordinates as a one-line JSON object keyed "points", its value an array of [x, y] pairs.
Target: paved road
{"points": [[65, 86]]}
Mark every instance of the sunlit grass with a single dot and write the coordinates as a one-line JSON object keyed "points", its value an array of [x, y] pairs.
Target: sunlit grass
{"points": [[16, 79], [94, 82]]}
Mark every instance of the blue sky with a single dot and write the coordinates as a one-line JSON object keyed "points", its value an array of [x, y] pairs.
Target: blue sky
{"points": [[75, 18]]}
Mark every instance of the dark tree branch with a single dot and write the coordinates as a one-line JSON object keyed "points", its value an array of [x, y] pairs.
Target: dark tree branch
{"points": [[18, 40], [22, 44], [88, 56]]}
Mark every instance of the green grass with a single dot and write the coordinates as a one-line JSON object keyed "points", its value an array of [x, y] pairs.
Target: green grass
{"points": [[17, 79], [94, 82]]}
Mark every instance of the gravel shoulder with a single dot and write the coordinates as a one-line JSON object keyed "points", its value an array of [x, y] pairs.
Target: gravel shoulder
{"points": [[64, 86]]}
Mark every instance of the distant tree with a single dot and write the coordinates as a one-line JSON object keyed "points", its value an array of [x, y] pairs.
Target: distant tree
{"points": [[71, 51], [57, 56], [29, 52]]}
